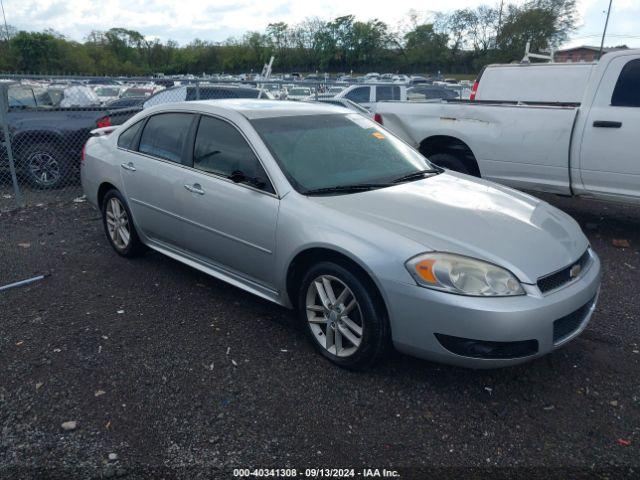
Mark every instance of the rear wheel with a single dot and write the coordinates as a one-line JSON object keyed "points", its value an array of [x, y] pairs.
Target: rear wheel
{"points": [[450, 162], [118, 225], [45, 166], [343, 316]]}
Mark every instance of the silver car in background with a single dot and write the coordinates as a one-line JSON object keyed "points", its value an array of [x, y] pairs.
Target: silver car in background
{"points": [[320, 209]]}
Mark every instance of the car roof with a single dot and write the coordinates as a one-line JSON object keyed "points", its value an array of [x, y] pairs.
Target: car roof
{"points": [[258, 108]]}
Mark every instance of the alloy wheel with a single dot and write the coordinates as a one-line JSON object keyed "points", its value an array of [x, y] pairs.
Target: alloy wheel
{"points": [[334, 316], [44, 168], [118, 223]]}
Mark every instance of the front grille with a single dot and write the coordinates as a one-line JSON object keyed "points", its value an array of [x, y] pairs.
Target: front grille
{"points": [[565, 326], [560, 278]]}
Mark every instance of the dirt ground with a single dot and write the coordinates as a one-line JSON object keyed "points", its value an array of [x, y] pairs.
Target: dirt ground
{"points": [[169, 373]]}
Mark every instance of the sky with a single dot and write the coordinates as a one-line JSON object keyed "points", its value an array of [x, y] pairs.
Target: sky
{"points": [[185, 20]]}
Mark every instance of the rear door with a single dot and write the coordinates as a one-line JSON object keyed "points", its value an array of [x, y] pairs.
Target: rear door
{"points": [[609, 160], [152, 154], [230, 224]]}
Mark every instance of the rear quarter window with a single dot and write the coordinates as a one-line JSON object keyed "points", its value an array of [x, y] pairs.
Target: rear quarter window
{"points": [[126, 138], [164, 136]]}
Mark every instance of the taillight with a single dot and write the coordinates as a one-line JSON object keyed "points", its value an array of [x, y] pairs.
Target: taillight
{"points": [[104, 122], [378, 118], [474, 90]]}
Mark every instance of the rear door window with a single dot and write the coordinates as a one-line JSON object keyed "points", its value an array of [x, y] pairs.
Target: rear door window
{"points": [[164, 136], [627, 91], [359, 95], [387, 92]]}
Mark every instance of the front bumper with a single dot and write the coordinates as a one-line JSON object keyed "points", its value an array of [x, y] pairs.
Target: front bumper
{"points": [[417, 314]]}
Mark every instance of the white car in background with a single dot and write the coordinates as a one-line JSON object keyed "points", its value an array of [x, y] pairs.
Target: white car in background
{"points": [[108, 93], [299, 93], [332, 91], [401, 79], [78, 96]]}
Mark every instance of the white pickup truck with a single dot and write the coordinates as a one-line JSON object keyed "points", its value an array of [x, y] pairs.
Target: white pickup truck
{"points": [[591, 149], [368, 95]]}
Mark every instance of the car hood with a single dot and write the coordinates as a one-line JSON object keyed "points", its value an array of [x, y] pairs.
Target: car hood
{"points": [[455, 213]]}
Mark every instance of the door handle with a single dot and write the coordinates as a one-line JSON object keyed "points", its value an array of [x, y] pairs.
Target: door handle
{"points": [[128, 166], [606, 124], [195, 188]]}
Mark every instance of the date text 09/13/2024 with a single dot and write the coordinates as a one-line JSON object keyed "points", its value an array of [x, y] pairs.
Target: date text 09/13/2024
{"points": [[316, 473]]}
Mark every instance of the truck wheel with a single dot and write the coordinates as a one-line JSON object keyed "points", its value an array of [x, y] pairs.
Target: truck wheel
{"points": [[450, 162], [44, 165]]}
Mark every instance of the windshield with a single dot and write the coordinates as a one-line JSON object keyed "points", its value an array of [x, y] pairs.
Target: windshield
{"points": [[300, 91], [336, 150]]}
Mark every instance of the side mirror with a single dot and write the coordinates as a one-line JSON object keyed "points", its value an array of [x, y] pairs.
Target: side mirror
{"points": [[237, 176]]}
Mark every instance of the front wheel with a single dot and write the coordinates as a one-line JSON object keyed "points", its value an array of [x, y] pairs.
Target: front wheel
{"points": [[118, 225], [343, 315]]}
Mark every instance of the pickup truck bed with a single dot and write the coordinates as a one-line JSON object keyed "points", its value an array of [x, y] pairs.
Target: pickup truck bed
{"points": [[586, 149], [519, 130]]}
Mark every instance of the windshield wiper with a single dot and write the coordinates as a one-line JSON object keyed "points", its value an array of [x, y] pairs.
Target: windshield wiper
{"points": [[359, 187], [417, 175]]}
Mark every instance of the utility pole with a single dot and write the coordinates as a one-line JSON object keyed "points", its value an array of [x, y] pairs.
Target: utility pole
{"points": [[6, 28], [604, 33], [500, 16]]}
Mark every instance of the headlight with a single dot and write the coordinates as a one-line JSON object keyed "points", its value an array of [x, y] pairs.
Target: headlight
{"points": [[463, 275]]}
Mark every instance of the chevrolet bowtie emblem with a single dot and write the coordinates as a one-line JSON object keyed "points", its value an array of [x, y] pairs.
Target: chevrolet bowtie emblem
{"points": [[575, 271]]}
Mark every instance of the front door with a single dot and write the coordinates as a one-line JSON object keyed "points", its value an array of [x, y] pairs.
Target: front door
{"points": [[230, 206], [609, 159]]}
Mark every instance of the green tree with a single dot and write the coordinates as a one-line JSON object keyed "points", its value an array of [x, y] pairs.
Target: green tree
{"points": [[426, 48], [459, 41], [541, 22]]}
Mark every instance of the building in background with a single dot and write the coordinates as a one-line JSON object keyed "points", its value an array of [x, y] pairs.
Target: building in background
{"points": [[584, 53]]}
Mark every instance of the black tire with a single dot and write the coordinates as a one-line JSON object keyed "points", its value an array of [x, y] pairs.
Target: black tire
{"points": [[134, 247], [375, 341], [45, 166], [450, 162]]}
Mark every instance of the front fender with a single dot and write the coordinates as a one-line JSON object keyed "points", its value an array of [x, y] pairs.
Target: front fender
{"points": [[380, 253]]}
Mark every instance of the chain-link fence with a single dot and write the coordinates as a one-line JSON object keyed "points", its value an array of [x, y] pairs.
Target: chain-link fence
{"points": [[47, 120]]}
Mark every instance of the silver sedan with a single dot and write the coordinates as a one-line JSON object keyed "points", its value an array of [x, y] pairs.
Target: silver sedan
{"points": [[320, 209]]}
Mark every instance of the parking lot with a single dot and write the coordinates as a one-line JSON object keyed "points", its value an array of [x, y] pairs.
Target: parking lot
{"points": [[182, 376]]}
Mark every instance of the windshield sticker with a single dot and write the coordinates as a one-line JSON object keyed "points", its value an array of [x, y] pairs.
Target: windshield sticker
{"points": [[378, 135]]}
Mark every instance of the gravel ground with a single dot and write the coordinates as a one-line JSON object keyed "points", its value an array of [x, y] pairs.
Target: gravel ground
{"points": [[171, 374], [33, 196]]}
